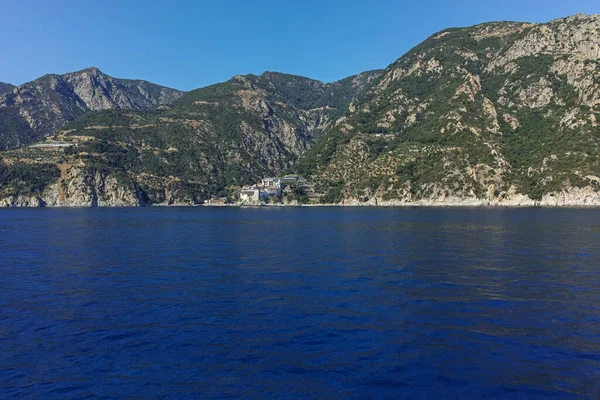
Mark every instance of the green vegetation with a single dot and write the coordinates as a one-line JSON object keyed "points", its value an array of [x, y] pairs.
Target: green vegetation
{"points": [[307, 94], [14, 129], [5, 88], [26, 179], [298, 194], [333, 194]]}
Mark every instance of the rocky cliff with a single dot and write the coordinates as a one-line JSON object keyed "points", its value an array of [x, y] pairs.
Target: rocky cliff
{"points": [[79, 187], [499, 113], [41, 107]]}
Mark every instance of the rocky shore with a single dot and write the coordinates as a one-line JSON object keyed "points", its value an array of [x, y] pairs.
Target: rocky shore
{"points": [[110, 194]]}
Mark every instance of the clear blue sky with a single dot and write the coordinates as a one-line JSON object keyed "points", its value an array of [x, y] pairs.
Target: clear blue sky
{"points": [[189, 44]]}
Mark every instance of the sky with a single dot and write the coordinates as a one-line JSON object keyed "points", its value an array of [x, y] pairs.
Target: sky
{"points": [[189, 44]]}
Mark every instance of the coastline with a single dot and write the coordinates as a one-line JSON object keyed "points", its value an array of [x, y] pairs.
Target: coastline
{"points": [[572, 198], [338, 205], [403, 205]]}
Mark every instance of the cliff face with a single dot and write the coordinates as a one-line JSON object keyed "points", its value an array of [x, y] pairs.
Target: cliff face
{"points": [[41, 107], [79, 188], [499, 113]]}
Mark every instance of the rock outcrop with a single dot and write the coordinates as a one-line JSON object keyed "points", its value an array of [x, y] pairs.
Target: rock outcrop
{"points": [[78, 187]]}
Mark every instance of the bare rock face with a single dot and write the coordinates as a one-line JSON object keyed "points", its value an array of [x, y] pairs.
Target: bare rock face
{"points": [[22, 201], [78, 187], [41, 107], [81, 187], [577, 37]]}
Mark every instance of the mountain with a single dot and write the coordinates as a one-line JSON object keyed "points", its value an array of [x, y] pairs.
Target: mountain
{"points": [[226, 134], [502, 113], [5, 88], [498, 113], [41, 107]]}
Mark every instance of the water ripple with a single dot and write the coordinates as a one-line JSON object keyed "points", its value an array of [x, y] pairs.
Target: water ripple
{"points": [[326, 303]]}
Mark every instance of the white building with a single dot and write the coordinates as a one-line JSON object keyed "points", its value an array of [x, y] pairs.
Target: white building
{"points": [[253, 194], [271, 183], [250, 195]]}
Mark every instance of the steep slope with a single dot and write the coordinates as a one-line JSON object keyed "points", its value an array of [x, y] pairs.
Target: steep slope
{"points": [[5, 88], [499, 113], [43, 106], [226, 134], [329, 100]]}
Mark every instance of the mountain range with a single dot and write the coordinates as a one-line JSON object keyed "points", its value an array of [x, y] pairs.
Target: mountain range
{"points": [[502, 113]]}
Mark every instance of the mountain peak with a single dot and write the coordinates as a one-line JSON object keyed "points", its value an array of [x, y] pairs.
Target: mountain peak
{"points": [[53, 100], [93, 71]]}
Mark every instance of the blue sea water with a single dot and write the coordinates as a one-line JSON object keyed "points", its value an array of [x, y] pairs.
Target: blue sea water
{"points": [[300, 302]]}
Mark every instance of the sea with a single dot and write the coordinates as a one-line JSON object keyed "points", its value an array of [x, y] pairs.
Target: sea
{"points": [[307, 302]]}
